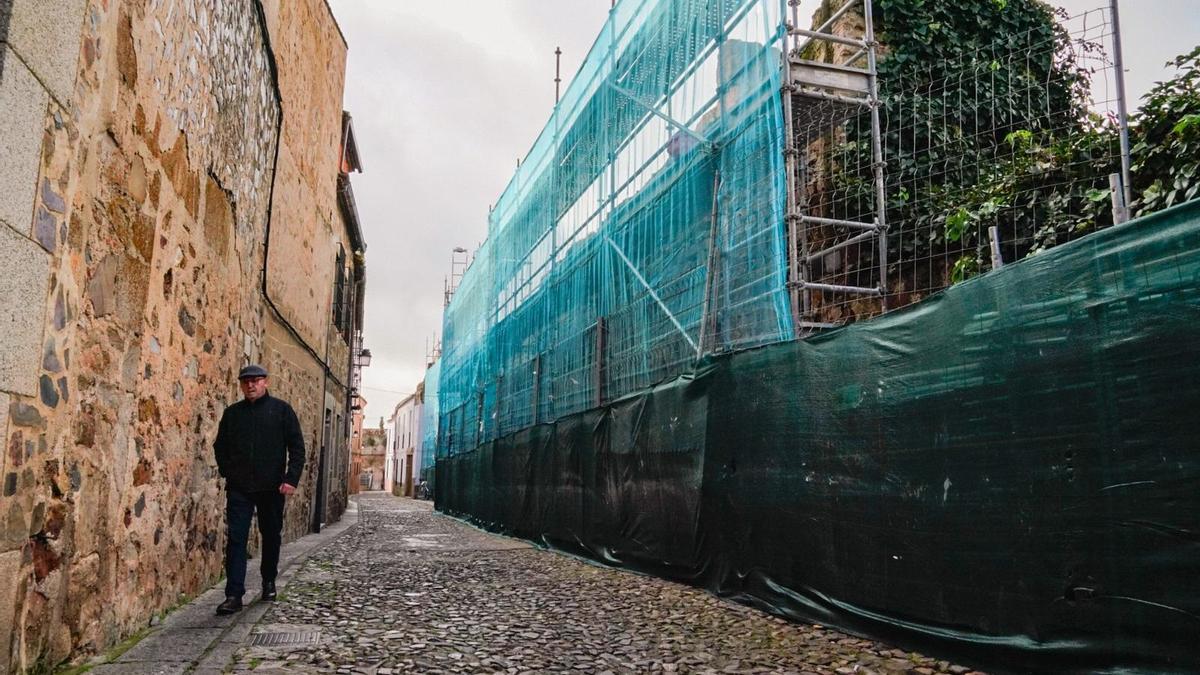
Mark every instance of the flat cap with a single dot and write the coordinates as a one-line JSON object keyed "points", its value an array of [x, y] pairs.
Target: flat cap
{"points": [[252, 370]]}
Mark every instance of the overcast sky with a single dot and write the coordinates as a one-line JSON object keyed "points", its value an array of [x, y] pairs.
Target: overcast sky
{"points": [[445, 98]]}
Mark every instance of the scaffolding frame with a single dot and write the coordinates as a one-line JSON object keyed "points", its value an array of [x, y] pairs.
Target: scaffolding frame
{"points": [[849, 89], [569, 302], [706, 185]]}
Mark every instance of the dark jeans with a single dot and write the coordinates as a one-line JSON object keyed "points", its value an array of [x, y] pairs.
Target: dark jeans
{"points": [[239, 507]]}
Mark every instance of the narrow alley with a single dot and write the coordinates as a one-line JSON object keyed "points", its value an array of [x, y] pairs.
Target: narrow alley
{"points": [[405, 589], [700, 336]]}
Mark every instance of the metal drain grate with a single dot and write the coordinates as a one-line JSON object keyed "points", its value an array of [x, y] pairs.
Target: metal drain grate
{"points": [[277, 639]]}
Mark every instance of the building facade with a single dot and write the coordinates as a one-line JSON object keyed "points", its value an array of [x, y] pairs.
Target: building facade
{"points": [[174, 204], [357, 408], [371, 458], [404, 440]]}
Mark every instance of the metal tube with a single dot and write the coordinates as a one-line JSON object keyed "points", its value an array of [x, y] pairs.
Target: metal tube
{"points": [[877, 151], [829, 36], [658, 113], [821, 29], [994, 238], [861, 290], [600, 360], [789, 161], [844, 223], [497, 410], [646, 285], [841, 245], [1122, 113], [557, 71], [837, 15], [701, 109], [537, 386], [478, 417], [706, 312], [1120, 212]]}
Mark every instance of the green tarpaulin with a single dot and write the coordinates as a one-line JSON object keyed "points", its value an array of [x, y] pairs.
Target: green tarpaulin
{"points": [[1007, 472]]}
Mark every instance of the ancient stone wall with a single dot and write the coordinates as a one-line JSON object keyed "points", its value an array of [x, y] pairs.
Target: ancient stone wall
{"points": [[133, 239], [301, 263], [312, 57]]}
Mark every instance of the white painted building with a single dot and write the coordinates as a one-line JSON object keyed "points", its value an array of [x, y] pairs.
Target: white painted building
{"points": [[402, 467]]}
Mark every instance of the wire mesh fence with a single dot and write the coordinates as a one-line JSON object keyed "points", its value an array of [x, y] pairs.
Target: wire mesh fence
{"points": [[991, 153]]}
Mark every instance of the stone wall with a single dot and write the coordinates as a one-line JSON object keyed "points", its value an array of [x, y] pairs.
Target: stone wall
{"points": [[373, 457], [301, 263], [312, 58], [140, 142]]}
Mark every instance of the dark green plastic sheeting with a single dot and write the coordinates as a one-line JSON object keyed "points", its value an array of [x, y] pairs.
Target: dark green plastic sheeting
{"points": [[1007, 473]]}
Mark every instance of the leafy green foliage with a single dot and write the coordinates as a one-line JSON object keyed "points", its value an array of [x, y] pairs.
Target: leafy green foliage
{"points": [[1165, 134], [964, 268], [985, 122]]}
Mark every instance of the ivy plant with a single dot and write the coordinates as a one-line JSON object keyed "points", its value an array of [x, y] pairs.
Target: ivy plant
{"points": [[1165, 134], [984, 111]]}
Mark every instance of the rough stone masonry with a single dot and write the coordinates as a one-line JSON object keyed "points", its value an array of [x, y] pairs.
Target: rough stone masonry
{"points": [[143, 146]]}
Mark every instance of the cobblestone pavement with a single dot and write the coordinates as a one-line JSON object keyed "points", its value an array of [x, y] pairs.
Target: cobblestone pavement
{"points": [[408, 590]]}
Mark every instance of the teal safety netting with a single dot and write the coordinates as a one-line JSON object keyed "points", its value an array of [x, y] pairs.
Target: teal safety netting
{"points": [[644, 229], [429, 421]]}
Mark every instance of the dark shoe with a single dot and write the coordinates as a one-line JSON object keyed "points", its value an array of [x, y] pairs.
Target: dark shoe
{"points": [[232, 604], [268, 592]]}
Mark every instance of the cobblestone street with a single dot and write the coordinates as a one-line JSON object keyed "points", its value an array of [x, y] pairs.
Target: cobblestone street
{"points": [[408, 590]]}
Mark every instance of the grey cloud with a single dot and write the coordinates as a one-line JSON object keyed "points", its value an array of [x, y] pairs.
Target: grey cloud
{"points": [[446, 97]]}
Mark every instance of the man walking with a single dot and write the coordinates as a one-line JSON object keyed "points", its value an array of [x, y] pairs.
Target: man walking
{"points": [[260, 454]]}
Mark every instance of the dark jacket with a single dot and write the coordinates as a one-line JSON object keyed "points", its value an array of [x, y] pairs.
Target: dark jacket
{"points": [[259, 445]]}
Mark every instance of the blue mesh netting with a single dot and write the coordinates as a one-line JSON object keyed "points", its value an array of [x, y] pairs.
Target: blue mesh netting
{"points": [[604, 271], [429, 420]]}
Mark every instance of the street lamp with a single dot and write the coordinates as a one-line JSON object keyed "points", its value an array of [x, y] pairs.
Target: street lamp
{"points": [[364, 358]]}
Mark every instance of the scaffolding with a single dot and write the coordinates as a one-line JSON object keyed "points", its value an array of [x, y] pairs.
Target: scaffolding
{"points": [[716, 178], [910, 175], [642, 231], [821, 94]]}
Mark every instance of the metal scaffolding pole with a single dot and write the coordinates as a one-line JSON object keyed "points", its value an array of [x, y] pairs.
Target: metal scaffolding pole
{"points": [[876, 150], [798, 297], [807, 83], [1122, 112]]}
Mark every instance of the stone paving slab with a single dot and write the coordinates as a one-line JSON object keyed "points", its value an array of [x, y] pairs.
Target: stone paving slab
{"points": [[140, 669], [183, 645], [193, 639], [199, 612]]}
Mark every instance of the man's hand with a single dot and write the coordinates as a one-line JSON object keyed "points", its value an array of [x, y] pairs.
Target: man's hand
{"points": [[286, 489]]}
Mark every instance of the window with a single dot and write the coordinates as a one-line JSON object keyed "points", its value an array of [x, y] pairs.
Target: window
{"points": [[340, 292]]}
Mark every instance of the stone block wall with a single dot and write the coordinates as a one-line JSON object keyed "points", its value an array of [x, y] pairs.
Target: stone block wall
{"points": [[140, 142], [301, 263], [305, 38]]}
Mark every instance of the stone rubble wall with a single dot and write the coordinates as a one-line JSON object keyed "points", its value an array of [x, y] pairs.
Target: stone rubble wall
{"points": [[311, 54], [301, 259], [136, 293]]}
